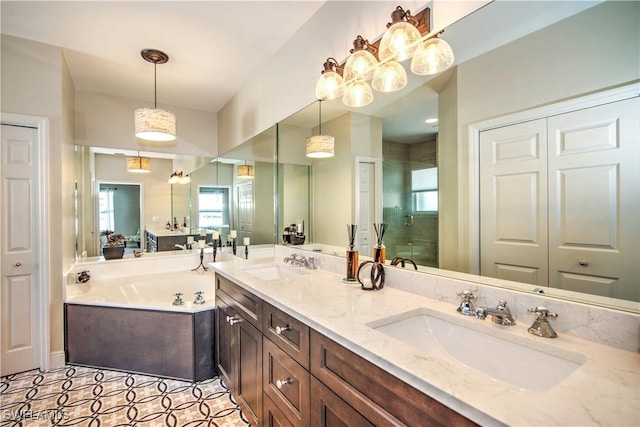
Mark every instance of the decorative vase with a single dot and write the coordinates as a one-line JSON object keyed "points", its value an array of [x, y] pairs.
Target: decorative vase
{"points": [[113, 252], [352, 255], [379, 249]]}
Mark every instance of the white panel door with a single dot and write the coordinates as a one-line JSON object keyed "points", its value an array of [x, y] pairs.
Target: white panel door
{"points": [[366, 208], [594, 190], [20, 314], [513, 202], [245, 211]]}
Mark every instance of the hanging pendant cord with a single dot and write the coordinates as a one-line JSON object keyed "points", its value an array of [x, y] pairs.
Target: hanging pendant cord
{"points": [[155, 85], [320, 116]]}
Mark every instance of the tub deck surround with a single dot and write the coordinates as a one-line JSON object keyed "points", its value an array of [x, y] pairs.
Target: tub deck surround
{"points": [[603, 391]]}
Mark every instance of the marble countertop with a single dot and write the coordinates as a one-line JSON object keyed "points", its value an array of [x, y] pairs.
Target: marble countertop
{"points": [[604, 390]]}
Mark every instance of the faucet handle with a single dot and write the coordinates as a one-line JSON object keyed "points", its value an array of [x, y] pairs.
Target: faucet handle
{"points": [[542, 312], [178, 300], [467, 307]]}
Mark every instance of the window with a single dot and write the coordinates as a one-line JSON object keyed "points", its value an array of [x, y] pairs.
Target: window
{"points": [[424, 190], [213, 207], [106, 220]]}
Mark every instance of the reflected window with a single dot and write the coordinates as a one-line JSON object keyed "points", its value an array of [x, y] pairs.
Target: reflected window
{"points": [[105, 200], [424, 189], [213, 207]]}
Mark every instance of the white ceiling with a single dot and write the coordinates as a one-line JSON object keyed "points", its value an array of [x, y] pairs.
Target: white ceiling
{"points": [[214, 47]]}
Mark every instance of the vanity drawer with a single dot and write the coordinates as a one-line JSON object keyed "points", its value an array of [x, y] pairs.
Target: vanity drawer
{"points": [[244, 302], [288, 333], [286, 383], [380, 397]]}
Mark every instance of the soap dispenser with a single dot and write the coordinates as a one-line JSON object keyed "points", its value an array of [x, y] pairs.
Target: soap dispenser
{"points": [[352, 255]]}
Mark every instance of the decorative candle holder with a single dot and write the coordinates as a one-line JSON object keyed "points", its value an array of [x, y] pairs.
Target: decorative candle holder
{"points": [[352, 255], [201, 261], [379, 249]]}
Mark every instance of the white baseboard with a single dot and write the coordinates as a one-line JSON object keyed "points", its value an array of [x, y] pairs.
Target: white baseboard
{"points": [[56, 360]]}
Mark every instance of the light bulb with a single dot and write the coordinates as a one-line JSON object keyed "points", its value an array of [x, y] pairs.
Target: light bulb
{"points": [[389, 77], [357, 94]]}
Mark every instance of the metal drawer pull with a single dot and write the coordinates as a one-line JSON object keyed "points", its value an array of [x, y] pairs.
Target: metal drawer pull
{"points": [[18, 264], [233, 320], [583, 263], [282, 383], [281, 329]]}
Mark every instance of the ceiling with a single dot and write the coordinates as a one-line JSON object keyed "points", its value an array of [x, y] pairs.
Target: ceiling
{"points": [[211, 53]]}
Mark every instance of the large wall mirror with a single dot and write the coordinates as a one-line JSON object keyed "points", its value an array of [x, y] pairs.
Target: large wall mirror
{"points": [[234, 192], [390, 166]]}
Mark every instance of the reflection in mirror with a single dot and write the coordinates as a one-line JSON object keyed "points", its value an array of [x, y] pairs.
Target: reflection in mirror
{"points": [[516, 73]]}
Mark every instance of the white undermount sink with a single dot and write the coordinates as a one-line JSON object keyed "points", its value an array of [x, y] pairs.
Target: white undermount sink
{"points": [[274, 271], [519, 361]]}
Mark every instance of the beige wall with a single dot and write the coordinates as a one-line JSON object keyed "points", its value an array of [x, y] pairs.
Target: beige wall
{"points": [[107, 121], [562, 61], [35, 81]]}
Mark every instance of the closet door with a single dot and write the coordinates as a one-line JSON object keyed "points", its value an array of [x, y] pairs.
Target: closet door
{"points": [[594, 193], [513, 202]]}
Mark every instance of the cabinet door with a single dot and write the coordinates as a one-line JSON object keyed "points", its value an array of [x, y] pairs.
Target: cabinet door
{"points": [[327, 409], [226, 342], [249, 380]]}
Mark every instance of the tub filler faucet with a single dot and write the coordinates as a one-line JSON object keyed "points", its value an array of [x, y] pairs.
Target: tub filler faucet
{"points": [[178, 300]]}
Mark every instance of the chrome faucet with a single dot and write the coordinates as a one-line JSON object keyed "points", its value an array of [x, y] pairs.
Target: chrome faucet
{"points": [[541, 326], [178, 300], [467, 307], [500, 315], [199, 298], [183, 247], [301, 261]]}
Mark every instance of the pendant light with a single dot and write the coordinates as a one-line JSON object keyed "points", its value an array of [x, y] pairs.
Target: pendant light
{"points": [[246, 171], [400, 40], [154, 124], [138, 164], [320, 146], [433, 56]]}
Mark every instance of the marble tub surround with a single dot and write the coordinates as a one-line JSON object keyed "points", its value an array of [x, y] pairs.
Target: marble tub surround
{"points": [[604, 390], [594, 323]]}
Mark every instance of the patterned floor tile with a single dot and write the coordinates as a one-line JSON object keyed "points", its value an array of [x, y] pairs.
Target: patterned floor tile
{"points": [[78, 396]]}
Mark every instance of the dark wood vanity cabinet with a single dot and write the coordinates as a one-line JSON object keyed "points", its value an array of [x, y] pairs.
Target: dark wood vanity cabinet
{"points": [[283, 373], [239, 346]]}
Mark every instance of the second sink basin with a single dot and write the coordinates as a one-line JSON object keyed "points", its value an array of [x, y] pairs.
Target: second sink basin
{"points": [[519, 361], [274, 271]]}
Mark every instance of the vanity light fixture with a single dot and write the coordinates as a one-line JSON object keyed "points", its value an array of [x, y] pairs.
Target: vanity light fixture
{"points": [[138, 164], [246, 171], [154, 124], [179, 178], [320, 146], [406, 37]]}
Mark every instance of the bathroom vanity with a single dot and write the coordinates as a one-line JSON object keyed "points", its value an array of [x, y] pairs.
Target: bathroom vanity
{"points": [[300, 347], [159, 240]]}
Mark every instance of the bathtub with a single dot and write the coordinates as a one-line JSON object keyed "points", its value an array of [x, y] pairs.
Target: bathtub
{"points": [[131, 324]]}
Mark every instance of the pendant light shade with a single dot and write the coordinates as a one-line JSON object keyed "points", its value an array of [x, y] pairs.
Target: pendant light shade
{"points": [[154, 124], [389, 77], [357, 94], [138, 164], [246, 171], [320, 146], [330, 84], [400, 40], [361, 63], [432, 57]]}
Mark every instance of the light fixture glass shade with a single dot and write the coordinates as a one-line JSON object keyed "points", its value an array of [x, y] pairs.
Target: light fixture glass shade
{"points": [[320, 146], [357, 94], [389, 77], [138, 164], [330, 85], [399, 42], [432, 57], [246, 171], [360, 65], [154, 124]]}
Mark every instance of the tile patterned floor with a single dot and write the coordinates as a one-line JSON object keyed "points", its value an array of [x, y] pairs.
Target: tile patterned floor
{"points": [[78, 396]]}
